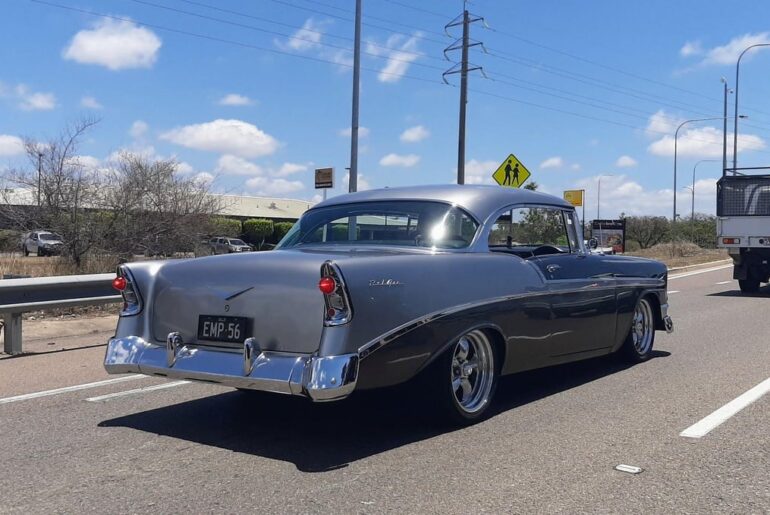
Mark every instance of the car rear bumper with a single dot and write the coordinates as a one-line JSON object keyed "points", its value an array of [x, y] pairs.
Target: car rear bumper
{"points": [[321, 378]]}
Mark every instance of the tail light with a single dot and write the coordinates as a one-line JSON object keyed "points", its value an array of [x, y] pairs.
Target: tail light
{"points": [[336, 300], [124, 282], [731, 241]]}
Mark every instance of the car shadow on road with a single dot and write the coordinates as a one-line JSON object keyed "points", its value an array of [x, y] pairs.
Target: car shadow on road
{"points": [[762, 293], [324, 437]]}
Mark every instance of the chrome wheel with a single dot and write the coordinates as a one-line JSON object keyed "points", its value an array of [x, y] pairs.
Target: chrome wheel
{"points": [[472, 371], [641, 328]]}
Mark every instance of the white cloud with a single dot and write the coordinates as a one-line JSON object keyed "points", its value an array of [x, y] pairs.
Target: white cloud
{"points": [[479, 172], [138, 129], [90, 103], [306, 38], [234, 99], [728, 54], [691, 48], [269, 186], [114, 44], [626, 162], [622, 194], [414, 134], [702, 142], [234, 165], [204, 178], [362, 132], [406, 160], [661, 123], [86, 162], [184, 168], [575, 166], [32, 101], [287, 169], [224, 136], [11, 145], [362, 183], [400, 52], [552, 162]]}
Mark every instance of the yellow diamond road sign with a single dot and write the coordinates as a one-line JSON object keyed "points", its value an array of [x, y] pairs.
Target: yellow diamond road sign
{"points": [[511, 173]]}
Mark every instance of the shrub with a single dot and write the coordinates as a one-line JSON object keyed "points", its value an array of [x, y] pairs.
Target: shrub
{"points": [[280, 229], [221, 226], [257, 229]]}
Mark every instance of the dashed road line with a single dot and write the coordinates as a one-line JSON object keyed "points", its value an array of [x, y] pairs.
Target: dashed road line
{"points": [[724, 282], [136, 391], [717, 418], [672, 291], [67, 389]]}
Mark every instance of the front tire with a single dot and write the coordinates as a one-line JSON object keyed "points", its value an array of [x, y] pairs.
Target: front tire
{"points": [[749, 285], [462, 382], [641, 335]]}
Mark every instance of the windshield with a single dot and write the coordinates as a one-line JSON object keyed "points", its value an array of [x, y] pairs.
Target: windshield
{"points": [[47, 236], [403, 223], [237, 242]]}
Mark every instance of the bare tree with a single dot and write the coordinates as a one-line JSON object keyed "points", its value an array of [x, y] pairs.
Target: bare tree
{"points": [[647, 230], [136, 204]]}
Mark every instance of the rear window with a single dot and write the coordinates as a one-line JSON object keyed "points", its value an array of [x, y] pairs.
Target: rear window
{"points": [[402, 223]]}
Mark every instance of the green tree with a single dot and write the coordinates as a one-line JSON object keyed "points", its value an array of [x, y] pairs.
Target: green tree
{"points": [[532, 186], [647, 230], [222, 226], [257, 229], [280, 229]]}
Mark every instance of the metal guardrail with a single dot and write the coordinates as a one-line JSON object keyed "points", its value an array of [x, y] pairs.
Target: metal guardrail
{"points": [[19, 296]]}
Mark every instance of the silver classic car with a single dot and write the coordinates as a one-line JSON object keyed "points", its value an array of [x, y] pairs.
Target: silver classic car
{"points": [[451, 285]]}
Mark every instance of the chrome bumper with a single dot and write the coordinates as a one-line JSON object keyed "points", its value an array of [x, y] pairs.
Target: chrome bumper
{"points": [[322, 378], [668, 324]]}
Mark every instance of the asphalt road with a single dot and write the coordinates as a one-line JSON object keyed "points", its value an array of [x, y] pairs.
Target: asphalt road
{"points": [[551, 446]]}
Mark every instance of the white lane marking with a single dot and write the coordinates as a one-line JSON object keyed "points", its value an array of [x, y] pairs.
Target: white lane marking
{"points": [[161, 386], [704, 426], [724, 282], [672, 291], [696, 272], [67, 389]]}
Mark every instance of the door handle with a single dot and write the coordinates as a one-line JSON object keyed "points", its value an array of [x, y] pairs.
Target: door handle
{"points": [[553, 268]]}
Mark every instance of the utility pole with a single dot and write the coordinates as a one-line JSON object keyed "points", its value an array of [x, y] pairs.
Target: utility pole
{"points": [[463, 67], [353, 176], [724, 131], [39, 175]]}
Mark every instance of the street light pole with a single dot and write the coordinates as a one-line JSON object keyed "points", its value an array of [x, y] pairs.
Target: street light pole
{"points": [[353, 176], [735, 114], [724, 129], [39, 175], [676, 143]]}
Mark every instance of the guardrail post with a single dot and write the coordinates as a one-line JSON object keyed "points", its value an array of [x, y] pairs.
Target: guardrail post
{"points": [[12, 333]]}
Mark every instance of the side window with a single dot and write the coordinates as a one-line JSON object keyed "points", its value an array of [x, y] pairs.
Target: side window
{"points": [[523, 229], [572, 231]]}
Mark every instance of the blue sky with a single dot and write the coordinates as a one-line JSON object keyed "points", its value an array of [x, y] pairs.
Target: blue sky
{"points": [[255, 94]]}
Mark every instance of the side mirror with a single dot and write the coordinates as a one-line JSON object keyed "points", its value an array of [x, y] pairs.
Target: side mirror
{"points": [[593, 244]]}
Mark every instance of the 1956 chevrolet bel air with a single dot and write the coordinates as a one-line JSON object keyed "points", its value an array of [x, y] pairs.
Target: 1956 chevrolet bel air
{"points": [[456, 284]]}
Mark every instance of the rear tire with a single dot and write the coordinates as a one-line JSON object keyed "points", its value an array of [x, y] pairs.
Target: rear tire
{"points": [[461, 383], [641, 335], [749, 285]]}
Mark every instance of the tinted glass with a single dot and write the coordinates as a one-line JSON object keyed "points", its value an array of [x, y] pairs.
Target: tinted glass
{"points": [[405, 223]]}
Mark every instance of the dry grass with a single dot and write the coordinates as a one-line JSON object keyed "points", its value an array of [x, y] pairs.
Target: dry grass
{"points": [[35, 266], [681, 254]]}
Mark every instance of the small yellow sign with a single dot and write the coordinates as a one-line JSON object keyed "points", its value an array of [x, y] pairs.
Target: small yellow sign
{"points": [[511, 173], [574, 197]]}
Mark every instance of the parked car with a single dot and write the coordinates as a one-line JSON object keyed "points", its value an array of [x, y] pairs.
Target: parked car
{"points": [[456, 285], [225, 245], [41, 243]]}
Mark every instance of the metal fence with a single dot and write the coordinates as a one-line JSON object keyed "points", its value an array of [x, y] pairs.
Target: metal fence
{"points": [[18, 296]]}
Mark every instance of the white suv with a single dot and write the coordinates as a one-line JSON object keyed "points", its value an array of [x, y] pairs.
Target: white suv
{"points": [[41, 243]]}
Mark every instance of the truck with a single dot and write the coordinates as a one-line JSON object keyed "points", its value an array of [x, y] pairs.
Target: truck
{"points": [[743, 225]]}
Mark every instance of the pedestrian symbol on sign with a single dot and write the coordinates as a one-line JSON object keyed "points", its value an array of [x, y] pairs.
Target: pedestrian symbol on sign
{"points": [[511, 173]]}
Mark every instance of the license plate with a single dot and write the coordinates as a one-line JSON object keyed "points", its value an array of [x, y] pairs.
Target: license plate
{"points": [[222, 329]]}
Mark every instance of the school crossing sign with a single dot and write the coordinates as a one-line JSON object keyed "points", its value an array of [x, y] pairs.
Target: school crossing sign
{"points": [[511, 173]]}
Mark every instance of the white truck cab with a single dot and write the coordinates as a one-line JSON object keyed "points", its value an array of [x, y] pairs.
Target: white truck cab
{"points": [[743, 227]]}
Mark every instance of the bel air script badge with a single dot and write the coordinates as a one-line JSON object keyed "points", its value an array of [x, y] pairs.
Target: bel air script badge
{"points": [[385, 282]]}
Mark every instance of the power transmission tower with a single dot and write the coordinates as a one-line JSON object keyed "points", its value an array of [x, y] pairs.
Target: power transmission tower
{"points": [[463, 68]]}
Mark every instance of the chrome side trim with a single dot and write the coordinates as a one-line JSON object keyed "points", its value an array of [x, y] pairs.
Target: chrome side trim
{"points": [[319, 378], [373, 345]]}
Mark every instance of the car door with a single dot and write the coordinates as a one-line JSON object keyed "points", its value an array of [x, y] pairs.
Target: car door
{"points": [[33, 243], [582, 298]]}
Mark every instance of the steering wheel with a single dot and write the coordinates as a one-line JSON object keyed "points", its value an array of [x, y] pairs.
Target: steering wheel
{"points": [[543, 250]]}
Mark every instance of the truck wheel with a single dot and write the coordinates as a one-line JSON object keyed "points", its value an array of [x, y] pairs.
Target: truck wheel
{"points": [[641, 336], [462, 382], [749, 285]]}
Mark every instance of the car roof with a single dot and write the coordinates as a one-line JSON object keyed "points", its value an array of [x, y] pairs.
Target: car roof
{"points": [[480, 200]]}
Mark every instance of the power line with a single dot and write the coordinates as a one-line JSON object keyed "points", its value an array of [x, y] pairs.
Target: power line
{"points": [[282, 34], [227, 41], [420, 9]]}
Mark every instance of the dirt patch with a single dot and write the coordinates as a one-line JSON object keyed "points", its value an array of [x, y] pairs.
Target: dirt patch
{"points": [[681, 254]]}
